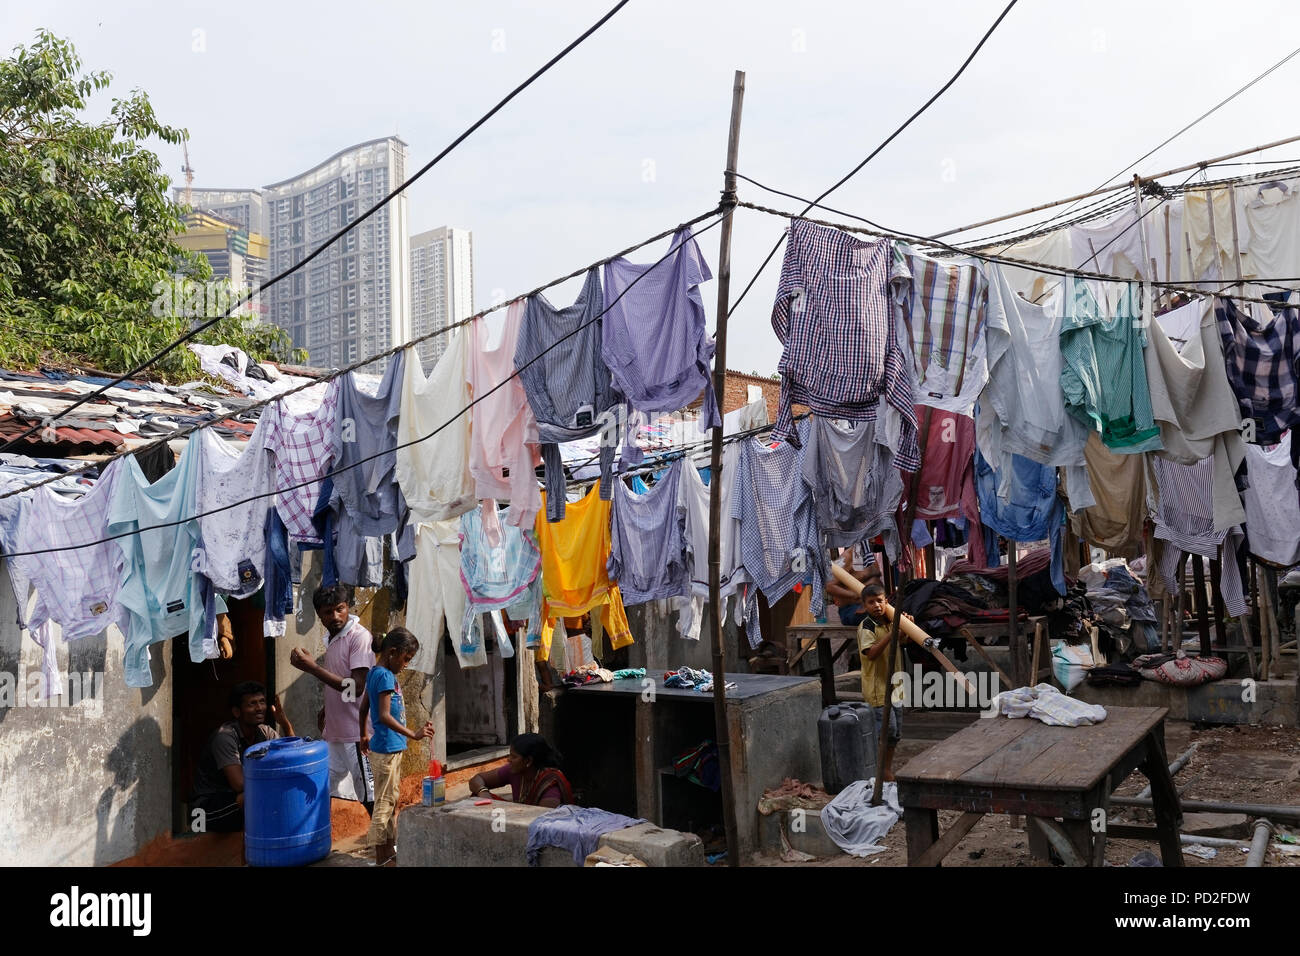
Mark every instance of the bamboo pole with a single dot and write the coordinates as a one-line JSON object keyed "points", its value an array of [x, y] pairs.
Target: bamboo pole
{"points": [[715, 481]]}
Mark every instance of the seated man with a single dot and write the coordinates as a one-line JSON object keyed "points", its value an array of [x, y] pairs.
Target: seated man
{"points": [[219, 779]]}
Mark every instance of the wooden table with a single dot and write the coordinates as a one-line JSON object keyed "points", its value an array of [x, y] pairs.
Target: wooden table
{"points": [[821, 636], [1023, 766]]}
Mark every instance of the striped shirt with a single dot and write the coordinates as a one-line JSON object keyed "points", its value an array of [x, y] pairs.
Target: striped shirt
{"points": [[1103, 372], [943, 304], [842, 355]]}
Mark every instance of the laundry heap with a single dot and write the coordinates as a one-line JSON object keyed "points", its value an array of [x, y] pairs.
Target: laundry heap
{"points": [[1010, 403]]}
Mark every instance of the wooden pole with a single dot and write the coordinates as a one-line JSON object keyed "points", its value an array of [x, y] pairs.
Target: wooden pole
{"points": [[1019, 662], [715, 481], [1216, 596], [1202, 611], [878, 790]]}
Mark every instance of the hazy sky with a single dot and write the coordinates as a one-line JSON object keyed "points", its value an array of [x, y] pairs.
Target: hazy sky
{"points": [[627, 136]]}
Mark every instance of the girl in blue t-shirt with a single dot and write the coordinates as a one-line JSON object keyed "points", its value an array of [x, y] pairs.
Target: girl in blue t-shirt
{"points": [[388, 742]]}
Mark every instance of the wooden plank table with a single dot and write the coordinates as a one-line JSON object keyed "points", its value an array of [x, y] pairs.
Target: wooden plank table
{"points": [[1058, 776], [821, 636]]}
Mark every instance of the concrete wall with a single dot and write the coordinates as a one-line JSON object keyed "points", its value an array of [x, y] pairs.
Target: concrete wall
{"points": [[86, 782]]}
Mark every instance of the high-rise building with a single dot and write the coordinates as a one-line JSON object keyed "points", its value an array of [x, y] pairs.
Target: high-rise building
{"points": [[442, 286], [354, 299], [233, 252], [242, 206]]}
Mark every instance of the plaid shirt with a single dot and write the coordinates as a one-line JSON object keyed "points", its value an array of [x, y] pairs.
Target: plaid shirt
{"points": [[842, 353], [302, 447], [1260, 352], [943, 305]]}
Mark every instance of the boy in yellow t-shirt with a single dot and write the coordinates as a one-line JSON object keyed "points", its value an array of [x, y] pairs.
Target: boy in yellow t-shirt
{"points": [[873, 644]]}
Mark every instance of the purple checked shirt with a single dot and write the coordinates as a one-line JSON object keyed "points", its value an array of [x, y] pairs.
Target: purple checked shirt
{"points": [[842, 354]]}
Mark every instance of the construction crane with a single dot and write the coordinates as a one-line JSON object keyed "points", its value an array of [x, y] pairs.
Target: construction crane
{"points": [[188, 170]]}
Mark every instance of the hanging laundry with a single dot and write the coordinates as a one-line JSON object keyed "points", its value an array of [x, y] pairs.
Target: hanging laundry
{"points": [[1050, 249], [647, 544], [1122, 244], [731, 572], [855, 485], [232, 529], [1272, 506], [1211, 247], [842, 356], [432, 460], [779, 542], [1119, 485], [278, 594], [1031, 512], [162, 594], [366, 500], [575, 577], [559, 361], [500, 569], [302, 446], [503, 451], [655, 339], [78, 589], [1273, 214], [156, 460], [1184, 517], [437, 596], [1103, 375], [1022, 409], [1193, 403], [946, 486], [943, 304], [1260, 351]]}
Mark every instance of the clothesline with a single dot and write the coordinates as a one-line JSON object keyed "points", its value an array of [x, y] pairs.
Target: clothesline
{"points": [[361, 363], [882, 233]]}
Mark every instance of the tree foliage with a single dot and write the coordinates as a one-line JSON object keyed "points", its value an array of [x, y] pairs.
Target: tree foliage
{"points": [[86, 227]]}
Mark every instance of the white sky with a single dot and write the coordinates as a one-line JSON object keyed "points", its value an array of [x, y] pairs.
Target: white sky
{"points": [[627, 136]]}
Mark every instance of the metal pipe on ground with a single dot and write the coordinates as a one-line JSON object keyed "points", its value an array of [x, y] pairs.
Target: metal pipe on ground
{"points": [[1177, 764], [1272, 811], [1210, 841], [1259, 845]]}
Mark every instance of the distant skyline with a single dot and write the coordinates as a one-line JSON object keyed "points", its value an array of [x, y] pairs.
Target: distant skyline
{"points": [[627, 136]]}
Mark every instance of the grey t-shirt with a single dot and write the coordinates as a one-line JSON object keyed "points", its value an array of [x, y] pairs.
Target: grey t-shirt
{"points": [[225, 749]]}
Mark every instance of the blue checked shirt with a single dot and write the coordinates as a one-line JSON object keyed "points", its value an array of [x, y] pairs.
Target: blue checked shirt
{"points": [[1260, 352], [842, 354]]}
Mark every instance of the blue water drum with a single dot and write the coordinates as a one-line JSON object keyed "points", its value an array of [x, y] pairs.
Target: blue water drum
{"points": [[286, 802]]}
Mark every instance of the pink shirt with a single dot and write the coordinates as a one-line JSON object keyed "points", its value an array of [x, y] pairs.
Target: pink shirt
{"points": [[503, 431], [346, 651]]}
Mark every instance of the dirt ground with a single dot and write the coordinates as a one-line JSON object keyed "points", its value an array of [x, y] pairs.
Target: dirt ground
{"points": [[1234, 764]]}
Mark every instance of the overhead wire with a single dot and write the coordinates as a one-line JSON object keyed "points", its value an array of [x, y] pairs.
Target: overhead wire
{"points": [[875, 152], [346, 229], [722, 215], [885, 232], [1198, 119]]}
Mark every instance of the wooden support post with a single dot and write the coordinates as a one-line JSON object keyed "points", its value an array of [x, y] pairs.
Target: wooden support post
{"points": [[1202, 606], [721, 731], [1181, 609], [1220, 632], [1019, 660]]}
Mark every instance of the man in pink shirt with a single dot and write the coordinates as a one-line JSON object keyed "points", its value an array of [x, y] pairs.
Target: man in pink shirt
{"points": [[349, 655]]}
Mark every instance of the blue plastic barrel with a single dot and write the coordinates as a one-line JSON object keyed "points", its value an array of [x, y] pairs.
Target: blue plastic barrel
{"points": [[286, 802]]}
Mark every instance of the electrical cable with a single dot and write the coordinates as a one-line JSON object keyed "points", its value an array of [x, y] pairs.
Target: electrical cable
{"points": [[361, 363], [872, 155], [1198, 119], [338, 471], [884, 232], [349, 227]]}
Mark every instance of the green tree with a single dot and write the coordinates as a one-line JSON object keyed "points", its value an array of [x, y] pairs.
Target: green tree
{"points": [[86, 227]]}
